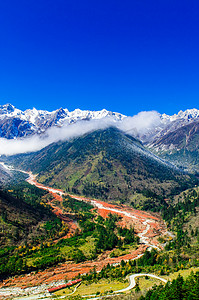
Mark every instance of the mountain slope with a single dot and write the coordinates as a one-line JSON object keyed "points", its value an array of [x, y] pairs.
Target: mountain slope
{"points": [[181, 146], [19, 221], [10, 177], [105, 164], [169, 124], [5, 176]]}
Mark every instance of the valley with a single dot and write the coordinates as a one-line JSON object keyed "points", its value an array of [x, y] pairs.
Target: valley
{"points": [[148, 227], [98, 206]]}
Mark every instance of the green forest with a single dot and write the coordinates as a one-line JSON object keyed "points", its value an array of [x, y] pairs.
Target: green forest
{"points": [[40, 252], [36, 250], [178, 289]]}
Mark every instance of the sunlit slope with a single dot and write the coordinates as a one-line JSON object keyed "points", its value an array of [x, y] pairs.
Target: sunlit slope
{"points": [[106, 164]]}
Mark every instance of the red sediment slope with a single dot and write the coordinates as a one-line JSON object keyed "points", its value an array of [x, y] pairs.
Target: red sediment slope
{"points": [[68, 270]]}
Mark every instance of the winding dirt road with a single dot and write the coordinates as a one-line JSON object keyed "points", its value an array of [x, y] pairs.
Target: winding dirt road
{"points": [[133, 283]]}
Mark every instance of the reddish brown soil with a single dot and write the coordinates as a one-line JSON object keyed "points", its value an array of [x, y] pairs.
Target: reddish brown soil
{"points": [[58, 212], [67, 270], [70, 270]]}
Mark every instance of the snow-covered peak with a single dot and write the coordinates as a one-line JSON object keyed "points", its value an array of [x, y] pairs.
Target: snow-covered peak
{"points": [[32, 121], [31, 115], [17, 123], [187, 115], [101, 114], [62, 113], [9, 110], [88, 114]]}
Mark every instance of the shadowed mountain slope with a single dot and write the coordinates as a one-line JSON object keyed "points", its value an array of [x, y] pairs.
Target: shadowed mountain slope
{"points": [[5, 176], [19, 221], [181, 146]]}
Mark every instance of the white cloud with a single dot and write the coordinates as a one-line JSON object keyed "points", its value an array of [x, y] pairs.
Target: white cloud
{"points": [[141, 123], [136, 126]]}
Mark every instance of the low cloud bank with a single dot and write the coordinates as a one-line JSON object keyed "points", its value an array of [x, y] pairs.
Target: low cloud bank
{"points": [[140, 124], [136, 126]]}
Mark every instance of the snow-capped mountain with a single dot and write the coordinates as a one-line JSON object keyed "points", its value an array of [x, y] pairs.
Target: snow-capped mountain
{"points": [[172, 123], [189, 114], [17, 123], [167, 124], [175, 136], [178, 139]]}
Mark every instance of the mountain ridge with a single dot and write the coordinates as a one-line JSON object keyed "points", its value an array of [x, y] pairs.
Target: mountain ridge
{"points": [[17, 123], [13, 121], [180, 146], [106, 164]]}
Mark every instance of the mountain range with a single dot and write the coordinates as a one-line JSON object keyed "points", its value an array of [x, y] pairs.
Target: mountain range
{"points": [[174, 138], [17, 123], [106, 164], [127, 162]]}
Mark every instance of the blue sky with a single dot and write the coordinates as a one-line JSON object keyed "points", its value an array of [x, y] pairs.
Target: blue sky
{"points": [[125, 56]]}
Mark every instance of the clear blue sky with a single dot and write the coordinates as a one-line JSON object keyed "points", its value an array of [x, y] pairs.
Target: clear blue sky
{"points": [[124, 56]]}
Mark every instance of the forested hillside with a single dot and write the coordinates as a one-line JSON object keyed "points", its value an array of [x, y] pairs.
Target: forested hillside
{"points": [[105, 164], [180, 288]]}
